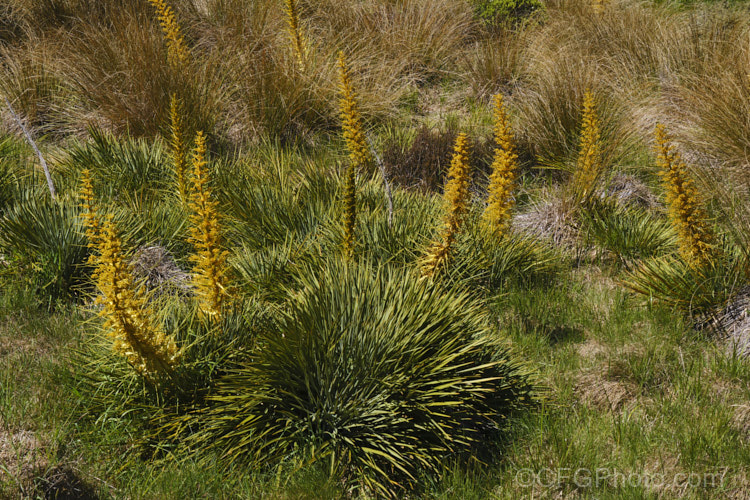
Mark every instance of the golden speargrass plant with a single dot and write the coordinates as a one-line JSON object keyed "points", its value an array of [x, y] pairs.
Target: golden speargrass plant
{"points": [[210, 274], [177, 50], [683, 202], [91, 222], [177, 144], [456, 198], [151, 352], [299, 44], [589, 164], [500, 202], [351, 120]]}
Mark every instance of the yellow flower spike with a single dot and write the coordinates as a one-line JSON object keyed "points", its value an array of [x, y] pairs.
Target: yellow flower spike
{"points": [[683, 202], [299, 43], [210, 274], [146, 347], [91, 221], [177, 50], [351, 120], [456, 197], [177, 144], [589, 165], [504, 171], [360, 155]]}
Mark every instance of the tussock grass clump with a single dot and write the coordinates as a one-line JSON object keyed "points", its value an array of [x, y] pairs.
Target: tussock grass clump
{"points": [[494, 64], [123, 76], [423, 163], [457, 198], [551, 105], [31, 81], [398, 43], [373, 373], [127, 318]]}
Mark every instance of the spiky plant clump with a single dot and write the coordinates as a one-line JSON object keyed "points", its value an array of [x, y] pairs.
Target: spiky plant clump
{"points": [[699, 292], [177, 144], [299, 43], [91, 221], [372, 373], [210, 273], [504, 172], [683, 201], [456, 198], [151, 352], [177, 50], [589, 165], [50, 237], [360, 155], [627, 233]]}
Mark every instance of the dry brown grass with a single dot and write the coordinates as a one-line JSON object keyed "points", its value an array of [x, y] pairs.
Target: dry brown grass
{"points": [[605, 395], [244, 76]]}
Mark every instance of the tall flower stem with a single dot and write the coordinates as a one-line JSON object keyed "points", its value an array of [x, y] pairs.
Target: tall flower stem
{"points": [[456, 198]]}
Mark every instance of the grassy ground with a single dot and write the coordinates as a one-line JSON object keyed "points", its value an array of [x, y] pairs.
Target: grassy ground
{"points": [[634, 399], [638, 406]]}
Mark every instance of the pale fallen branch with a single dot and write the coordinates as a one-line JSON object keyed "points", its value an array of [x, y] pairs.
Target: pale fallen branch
{"points": [[387, 185], [34, 147]]}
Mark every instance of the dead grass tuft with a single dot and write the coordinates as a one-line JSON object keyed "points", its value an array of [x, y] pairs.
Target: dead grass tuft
{"points": [[631, 191], [549, 219], [603, 394], [159, 271]]}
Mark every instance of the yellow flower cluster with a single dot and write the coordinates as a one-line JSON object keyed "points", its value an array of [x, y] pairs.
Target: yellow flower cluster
{"points": [[359, 152], [456, 198], [504, 171], [210, 270], [683, 201], [177, 50], [147, 348], [589, 165], [177, 144], [295, 32]]}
